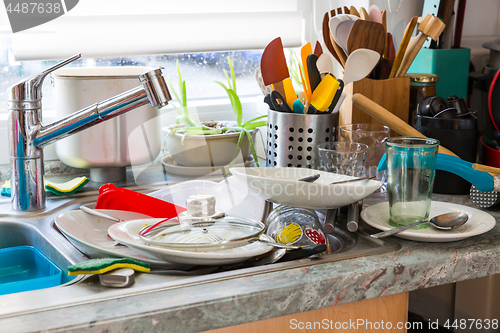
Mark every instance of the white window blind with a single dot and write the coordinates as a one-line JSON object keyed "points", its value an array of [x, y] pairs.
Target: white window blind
{"points": [[98, 28]]}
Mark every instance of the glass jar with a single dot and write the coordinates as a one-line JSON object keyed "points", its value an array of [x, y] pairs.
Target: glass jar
{"points": [[297, 226], [421, 85]]}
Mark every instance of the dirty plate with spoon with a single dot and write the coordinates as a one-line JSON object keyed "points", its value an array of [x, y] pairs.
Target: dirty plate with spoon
{"points": [[478, 223]]}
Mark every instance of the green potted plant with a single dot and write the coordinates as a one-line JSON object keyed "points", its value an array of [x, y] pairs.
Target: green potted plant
{"points": [[211, 143]]}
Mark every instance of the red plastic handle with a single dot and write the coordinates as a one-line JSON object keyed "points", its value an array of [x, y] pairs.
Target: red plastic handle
{"points": [[117, 198]]}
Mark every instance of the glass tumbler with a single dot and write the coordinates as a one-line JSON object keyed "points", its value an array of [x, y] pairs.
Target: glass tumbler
{"points": [[374, 136], [345, 158], [411, 169]]}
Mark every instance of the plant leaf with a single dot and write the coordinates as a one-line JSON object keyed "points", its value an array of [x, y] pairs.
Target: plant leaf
{"points": [[232, 74], [252, 147], [252, 126], [235, 103], [254, 119], [227, 78], [238, 145]]}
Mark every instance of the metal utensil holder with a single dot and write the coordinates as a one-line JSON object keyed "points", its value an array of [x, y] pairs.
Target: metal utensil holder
{"points": [[293, 139]]}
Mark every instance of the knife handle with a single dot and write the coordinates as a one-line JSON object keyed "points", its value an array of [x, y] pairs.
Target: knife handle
{"points": [[278, 86]]}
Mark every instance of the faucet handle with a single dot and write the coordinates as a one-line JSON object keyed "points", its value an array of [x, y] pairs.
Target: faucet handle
{"points": [[30, 89]]}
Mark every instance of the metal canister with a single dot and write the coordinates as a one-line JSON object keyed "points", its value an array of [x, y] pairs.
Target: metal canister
{"points": [[292, 139]]}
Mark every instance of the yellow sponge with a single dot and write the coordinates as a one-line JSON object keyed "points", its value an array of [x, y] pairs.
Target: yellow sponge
{"points": [[100, 266], [67, 188]]}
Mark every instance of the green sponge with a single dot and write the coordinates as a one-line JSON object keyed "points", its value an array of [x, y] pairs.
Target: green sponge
{"points": [[67, 188], [100, 266]]}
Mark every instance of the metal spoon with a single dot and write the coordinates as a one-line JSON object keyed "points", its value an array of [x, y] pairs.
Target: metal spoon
{"points": [[444, 221], [310, 179], [106, 216], [98, 213]]}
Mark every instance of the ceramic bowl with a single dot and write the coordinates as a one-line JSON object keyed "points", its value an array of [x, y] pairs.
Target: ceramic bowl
{"points": [[281, 185], [207, 150]]}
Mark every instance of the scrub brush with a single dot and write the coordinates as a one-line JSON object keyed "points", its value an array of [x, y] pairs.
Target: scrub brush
{"points": [[100, 266], [67, 188]]}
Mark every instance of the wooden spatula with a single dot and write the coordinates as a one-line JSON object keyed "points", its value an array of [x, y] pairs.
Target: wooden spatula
{"points": [[364, 14], [353, 11], [275, 71], [366, 35], [402, 47], [326, 34], [318, 50], [431, 27], [384, 23]]}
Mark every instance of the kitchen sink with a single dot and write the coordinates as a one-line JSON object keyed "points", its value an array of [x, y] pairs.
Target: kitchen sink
{"points": [[39, 230]]}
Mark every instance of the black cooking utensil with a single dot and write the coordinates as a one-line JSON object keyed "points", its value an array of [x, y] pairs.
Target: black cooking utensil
{"points": [[312, 110], [279, 102], [336, 98], [267, 100], [303, 252], [314, 76]]}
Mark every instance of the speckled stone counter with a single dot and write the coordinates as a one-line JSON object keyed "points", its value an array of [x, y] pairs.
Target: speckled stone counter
{"points": [[198, 307]]}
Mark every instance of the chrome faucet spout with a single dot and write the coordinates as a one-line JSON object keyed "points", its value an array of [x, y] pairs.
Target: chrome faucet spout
{"points": [[28, 136]]}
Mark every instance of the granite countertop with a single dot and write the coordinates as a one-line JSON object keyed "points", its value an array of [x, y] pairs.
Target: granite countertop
{"points": [[236, 300]]}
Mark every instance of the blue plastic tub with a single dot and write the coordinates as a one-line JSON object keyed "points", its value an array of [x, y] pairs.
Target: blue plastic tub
{"points": [[24, 268]]}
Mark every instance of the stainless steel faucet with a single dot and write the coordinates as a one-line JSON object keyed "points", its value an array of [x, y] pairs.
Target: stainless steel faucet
{"points": [[28, 136]]}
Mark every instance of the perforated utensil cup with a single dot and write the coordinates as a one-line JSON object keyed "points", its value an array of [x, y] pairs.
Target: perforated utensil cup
{"points": [[292, 139]]}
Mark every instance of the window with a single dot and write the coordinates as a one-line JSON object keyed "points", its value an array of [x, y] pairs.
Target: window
{"points": [[154, 33], [199, 70]]}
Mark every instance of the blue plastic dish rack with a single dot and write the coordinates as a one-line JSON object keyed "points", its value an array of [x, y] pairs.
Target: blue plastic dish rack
{"points": [[24, 268]]}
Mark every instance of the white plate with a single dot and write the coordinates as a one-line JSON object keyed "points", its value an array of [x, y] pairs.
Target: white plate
{"points": [[479, 222], [89, 234], [170, 166], [281, 185], [127, 233]]}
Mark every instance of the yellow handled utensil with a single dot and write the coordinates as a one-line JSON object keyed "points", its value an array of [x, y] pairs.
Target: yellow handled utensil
{"points": [[324, 93]]}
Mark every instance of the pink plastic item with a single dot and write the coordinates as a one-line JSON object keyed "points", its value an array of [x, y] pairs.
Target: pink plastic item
{"points": [[112, 197]]}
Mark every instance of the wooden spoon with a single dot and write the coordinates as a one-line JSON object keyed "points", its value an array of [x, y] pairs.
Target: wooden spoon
{"points": [[402, 47], [326, 35], [354, 11], [366, 35], [364, 14], [430, 26], [384, 23]]}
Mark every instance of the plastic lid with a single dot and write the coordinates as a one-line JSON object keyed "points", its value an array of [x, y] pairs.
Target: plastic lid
{"points": [[423, 77]]}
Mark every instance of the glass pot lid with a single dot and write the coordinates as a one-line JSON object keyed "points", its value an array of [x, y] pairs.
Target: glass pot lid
{"points": [[202, 228]]}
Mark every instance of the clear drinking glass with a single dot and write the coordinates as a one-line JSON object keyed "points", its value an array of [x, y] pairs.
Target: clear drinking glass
{"points": [[411, 169], [374, 136], [345, 158]]}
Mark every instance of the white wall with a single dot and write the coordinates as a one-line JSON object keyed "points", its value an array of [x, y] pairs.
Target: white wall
{"points": [[481, 22]]}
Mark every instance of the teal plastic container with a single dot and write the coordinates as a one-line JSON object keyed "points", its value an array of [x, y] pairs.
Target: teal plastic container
{"points": [[24, 268], [451, 65]]}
